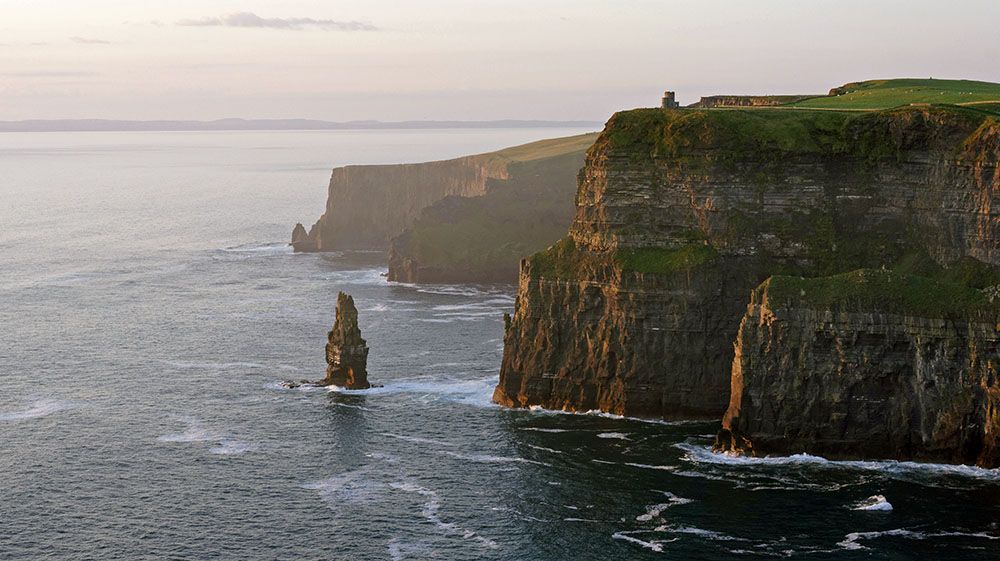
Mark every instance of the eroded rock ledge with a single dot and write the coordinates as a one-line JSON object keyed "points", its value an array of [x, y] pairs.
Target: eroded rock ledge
{"points": [[872, 364]]}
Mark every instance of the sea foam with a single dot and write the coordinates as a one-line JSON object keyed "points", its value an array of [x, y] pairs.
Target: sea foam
{"points": [[875, 503], [704, 454], [36, 409]]}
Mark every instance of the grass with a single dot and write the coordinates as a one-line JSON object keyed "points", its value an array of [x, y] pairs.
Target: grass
{"points": [[887, 291], [678, 132], [665, 260], [886, 94], [547, 148], [563, 260], [696, 140]]}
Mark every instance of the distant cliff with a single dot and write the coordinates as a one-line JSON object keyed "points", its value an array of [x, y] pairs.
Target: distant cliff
{"points": [[680, 213], [482, 239], [867, 364], [747, 100], [368, 206]]}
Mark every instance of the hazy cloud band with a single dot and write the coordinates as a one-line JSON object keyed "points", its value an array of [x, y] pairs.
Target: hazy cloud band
{"points": [[249, 19], [89, 41]]}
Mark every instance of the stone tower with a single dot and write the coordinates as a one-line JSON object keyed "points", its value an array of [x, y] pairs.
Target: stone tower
{"points": [[668, 101]]}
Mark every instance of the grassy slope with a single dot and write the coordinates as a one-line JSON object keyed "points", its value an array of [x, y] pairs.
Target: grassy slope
{"points": [[884, 94], [547, 148]]}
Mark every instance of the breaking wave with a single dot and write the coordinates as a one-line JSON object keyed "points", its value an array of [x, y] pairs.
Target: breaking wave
{"points": [[704, 455]]}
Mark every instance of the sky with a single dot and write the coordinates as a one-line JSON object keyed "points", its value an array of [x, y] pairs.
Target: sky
{"points": [[463, 60]]}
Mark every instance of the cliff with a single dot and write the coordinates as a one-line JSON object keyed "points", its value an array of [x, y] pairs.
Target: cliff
{"points": [[680, 213], [482, 239], [873, 364], [369, 205], [747, 100]]}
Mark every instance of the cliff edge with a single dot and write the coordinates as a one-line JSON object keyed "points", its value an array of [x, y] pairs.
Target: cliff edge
{"points": [[681, 213]]}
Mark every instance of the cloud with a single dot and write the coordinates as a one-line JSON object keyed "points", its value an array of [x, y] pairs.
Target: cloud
{"points": [[89, 41], [49, 74], [249, 19]]}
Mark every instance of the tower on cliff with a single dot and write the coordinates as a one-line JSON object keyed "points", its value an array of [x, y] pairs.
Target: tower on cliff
{"points": [[668, 101]]}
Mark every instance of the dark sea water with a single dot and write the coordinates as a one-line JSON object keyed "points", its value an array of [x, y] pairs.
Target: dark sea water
{"points": [[149, 310]]}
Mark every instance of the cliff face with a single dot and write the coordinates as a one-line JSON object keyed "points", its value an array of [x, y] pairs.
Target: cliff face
{"points": [[680, 213], [482, 239], [852, 379], [369, 205]]}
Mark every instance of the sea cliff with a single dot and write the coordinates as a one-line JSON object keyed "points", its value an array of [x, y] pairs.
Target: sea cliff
{"points": [[871, 363], [681, 213], [368, 205], [470, 219]]}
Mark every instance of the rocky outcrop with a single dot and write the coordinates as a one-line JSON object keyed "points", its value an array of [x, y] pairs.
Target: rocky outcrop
{"points": [[368, 205], [482, 239], [346, 351], [715, 101], [681, 213], [872, 364], [302, 241]]}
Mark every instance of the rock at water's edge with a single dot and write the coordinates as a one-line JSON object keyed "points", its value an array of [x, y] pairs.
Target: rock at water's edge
{"points": [[301, 240], [346, 351], [863, 384]]}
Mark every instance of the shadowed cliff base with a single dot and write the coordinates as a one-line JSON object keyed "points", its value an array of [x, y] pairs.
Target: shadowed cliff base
{"points": [[681, 213]]}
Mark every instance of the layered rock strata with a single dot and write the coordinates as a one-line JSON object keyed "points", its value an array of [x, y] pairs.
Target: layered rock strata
{"points": [[368, 205], [346, 351], [884, 366], [680, 213]]}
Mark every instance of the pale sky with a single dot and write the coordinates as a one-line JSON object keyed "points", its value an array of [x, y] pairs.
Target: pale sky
{"points": [[469, 60]]}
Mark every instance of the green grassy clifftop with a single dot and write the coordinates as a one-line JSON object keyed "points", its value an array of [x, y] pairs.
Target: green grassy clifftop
{"points": [[886, 94]]}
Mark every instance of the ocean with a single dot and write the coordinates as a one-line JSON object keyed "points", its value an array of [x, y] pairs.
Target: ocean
{"points": [[150, 309]]}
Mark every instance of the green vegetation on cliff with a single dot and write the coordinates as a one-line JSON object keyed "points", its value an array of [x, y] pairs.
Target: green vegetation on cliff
{"points": [[885, 94], [665, 260], [888, 291], [700, 136], [563, 260]]}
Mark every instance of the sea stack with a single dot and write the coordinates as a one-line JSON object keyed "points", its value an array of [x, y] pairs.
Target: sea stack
{"points": [[346, 351], [301, 240]]}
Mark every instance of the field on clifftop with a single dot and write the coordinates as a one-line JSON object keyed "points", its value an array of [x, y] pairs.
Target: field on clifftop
{"points": [[884, 94]]}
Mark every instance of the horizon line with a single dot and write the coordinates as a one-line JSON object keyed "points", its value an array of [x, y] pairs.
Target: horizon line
{"points": [[240, 123]]}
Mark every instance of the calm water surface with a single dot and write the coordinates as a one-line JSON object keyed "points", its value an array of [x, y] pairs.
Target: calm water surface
{"points": [[149, 310]]}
